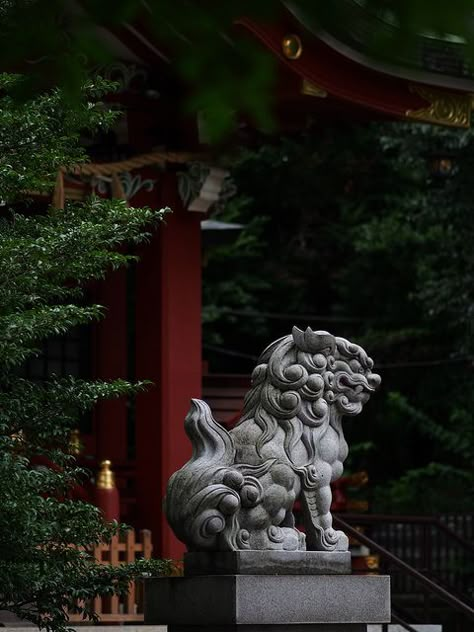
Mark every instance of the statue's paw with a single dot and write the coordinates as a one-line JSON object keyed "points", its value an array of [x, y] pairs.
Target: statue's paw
{"points": [[328, 540], [294, 540], [276, 538], [335, 540], [342, 541]]}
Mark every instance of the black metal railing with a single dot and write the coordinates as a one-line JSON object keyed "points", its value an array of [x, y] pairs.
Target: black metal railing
{"points": [[427, 544], [419, 569]]}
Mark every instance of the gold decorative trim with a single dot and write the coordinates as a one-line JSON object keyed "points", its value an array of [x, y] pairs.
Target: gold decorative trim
{"points": [[292, 46], [445, 108], [311, 89]]}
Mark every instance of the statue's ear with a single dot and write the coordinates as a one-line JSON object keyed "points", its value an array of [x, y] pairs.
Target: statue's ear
{"points": [[313, 341]]}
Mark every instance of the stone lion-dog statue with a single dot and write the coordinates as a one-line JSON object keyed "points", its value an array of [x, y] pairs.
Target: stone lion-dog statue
{"points": [[238, 490]]}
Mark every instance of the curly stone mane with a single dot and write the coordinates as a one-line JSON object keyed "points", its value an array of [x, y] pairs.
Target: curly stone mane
{"points": [[298, 379]]}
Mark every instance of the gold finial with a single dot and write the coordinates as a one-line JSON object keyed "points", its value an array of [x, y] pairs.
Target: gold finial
{"points": [[75, 445], [105, 478], [292, 46]]}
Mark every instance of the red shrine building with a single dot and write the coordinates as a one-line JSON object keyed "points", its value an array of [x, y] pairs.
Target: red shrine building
{"points": [[156, 158]]}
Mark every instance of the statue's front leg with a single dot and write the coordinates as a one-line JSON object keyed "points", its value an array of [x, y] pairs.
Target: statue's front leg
{"points": [[320, 535]]}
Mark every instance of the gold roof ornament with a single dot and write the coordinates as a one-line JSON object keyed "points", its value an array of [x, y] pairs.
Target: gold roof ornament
{"points": [[105, 477], [445, 108], [292, 46]]}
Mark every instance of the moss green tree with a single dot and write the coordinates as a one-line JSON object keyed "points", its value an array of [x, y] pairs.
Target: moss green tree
{"points": [[46, 260]]}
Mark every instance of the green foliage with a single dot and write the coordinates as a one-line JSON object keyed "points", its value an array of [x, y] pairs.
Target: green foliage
{"points": [[455, 436], [433, 487], [39, 256], [230, 271], [429, 226], [46, 261], [40, 135], [360, 237], [444, 485], [226, 73]]}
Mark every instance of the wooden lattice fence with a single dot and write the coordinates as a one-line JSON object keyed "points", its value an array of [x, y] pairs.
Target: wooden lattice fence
{"points": [[125, 548]]}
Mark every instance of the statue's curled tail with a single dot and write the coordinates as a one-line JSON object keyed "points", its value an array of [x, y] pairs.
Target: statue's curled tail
{"points": [[202, 501]]}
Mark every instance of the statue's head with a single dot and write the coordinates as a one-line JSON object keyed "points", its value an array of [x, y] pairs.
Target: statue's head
{"points": [[344, 366], [302, 378]]}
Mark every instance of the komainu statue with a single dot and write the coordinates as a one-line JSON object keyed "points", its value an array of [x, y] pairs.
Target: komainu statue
{"points": [[238, 490]]}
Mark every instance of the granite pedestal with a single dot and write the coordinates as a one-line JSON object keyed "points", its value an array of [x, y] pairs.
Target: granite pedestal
{"points": [[268, 563], [266, 602]]}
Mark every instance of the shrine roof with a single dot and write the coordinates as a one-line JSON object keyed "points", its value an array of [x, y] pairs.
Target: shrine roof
{"points": [[428, 57], [430, 81], [326, 66]]}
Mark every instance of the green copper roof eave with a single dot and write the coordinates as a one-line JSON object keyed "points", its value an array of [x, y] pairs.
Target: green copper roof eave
{"points": [[348, 26]]}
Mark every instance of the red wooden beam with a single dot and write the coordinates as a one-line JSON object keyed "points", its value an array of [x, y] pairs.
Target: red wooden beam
{"points": [[339, 76]]}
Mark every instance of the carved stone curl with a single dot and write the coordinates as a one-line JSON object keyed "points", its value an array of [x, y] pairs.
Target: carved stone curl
{"points": [[238, 490]]}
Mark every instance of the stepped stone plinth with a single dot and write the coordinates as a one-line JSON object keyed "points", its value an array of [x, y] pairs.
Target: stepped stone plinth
{"points": [[249, 567]]}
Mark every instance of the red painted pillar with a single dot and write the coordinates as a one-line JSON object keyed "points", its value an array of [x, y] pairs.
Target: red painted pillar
{"points": [[168, 352]]}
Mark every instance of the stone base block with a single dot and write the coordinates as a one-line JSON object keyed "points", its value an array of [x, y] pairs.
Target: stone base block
{"points": [[309, 627], [268, 563], [267, 600]]}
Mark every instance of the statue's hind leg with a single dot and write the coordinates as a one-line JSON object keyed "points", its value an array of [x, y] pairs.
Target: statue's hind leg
{"points": [[267, 519], [320, 535]]}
